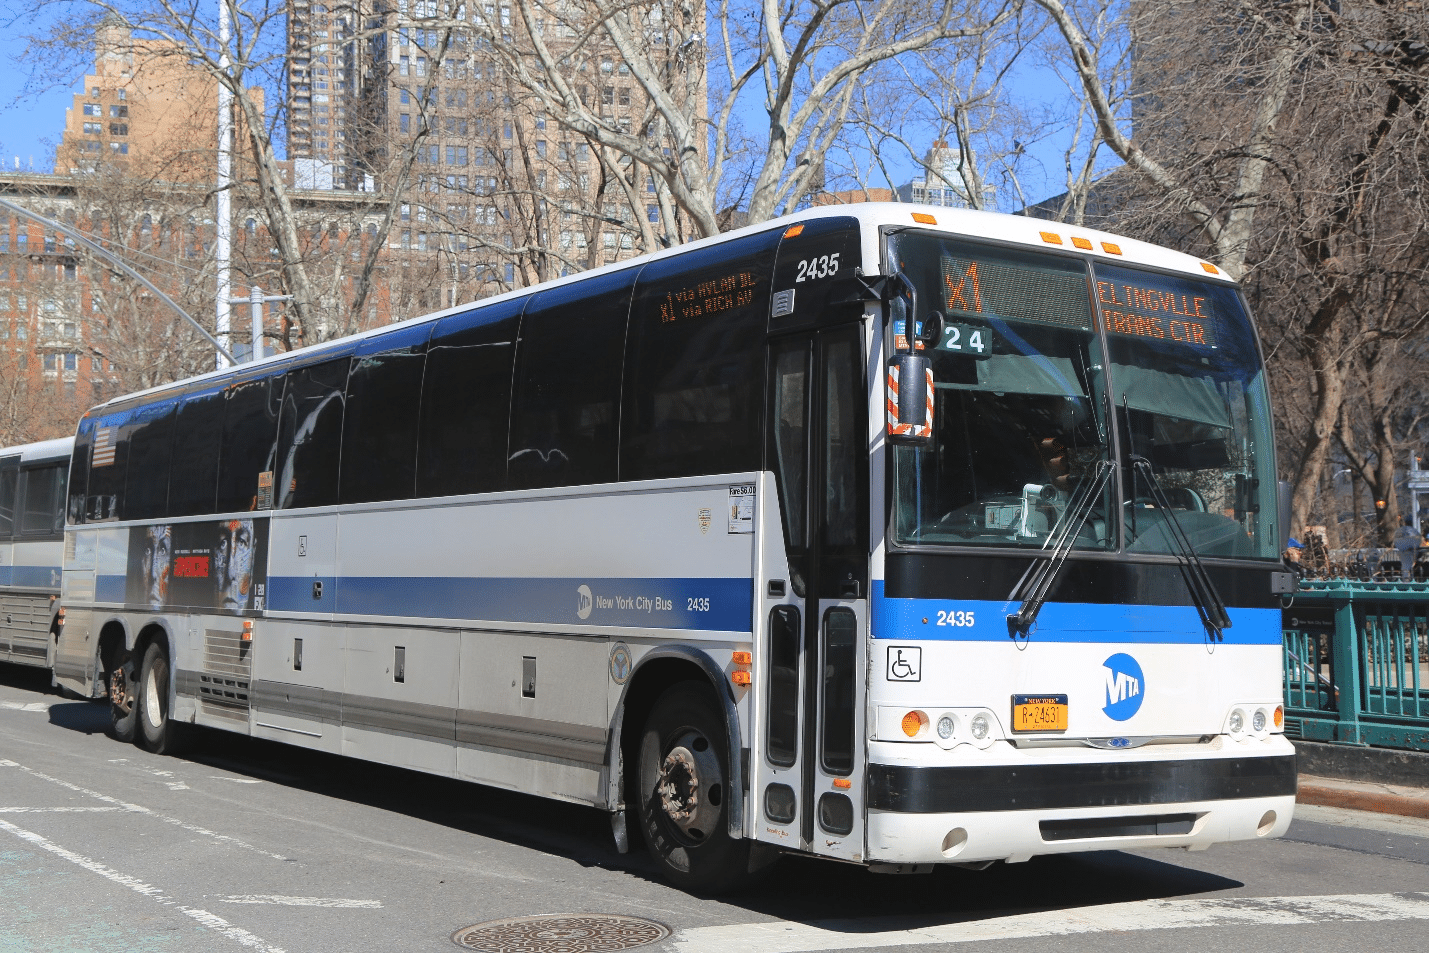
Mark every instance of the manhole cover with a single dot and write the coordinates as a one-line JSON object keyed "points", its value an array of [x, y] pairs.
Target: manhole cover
{"points": [[584, 933]]}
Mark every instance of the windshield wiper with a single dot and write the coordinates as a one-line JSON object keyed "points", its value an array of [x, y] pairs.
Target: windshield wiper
{"points": [[1032, 589], [1203, 591]]}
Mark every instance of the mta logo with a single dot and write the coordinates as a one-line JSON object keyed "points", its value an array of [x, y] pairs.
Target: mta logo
{"points": [[1125, 686]]}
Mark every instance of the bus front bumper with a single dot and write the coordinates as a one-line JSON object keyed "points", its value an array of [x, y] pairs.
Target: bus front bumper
{"points": [[970, 814]]}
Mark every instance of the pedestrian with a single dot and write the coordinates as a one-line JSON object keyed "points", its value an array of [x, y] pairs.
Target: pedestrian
{"points": [[1407, 540], [1292, 557]]}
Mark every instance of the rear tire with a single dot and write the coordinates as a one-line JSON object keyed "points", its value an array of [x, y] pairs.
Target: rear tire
{"points": [[683, 793], [157, 731], [123, 726]]}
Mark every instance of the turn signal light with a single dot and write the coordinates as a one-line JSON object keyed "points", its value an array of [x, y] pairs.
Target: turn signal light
{"points": [[248, 630], [743, 658], [1280, 716], [740, 678], [913, 723]]}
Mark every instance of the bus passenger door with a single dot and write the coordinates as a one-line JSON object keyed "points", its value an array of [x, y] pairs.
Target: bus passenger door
{"points": [[808, 782]]}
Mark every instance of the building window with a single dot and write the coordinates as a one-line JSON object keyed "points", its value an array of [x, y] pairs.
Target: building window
{"points": [[119, 148], [119, 112], [541, 148], [652, 213], [404, 66], [404, 122], [119, 129], [93, 128], [122, 93], [93, 109]]}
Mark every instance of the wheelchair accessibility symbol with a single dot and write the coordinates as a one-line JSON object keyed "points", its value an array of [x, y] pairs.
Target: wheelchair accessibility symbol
{"points": [[905, 663]]}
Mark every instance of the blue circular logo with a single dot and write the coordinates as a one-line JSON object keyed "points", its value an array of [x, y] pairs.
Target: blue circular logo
{"points": [[1125, 686]]}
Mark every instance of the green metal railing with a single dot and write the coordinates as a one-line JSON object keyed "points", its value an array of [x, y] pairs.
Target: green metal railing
{"points": [[1357, 663]]}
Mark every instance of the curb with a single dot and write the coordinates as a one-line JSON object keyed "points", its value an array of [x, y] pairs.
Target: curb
{"points": [[1362, 801]]}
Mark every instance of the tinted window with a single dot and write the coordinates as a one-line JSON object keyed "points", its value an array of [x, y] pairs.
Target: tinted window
{"points": [[466, 403], [567, 384], [384, 394], [79, 469], [250, 423], [198, 439], [310, 436], [146, 488], [8, 473], [44, 489], [693, 399], [108, 464]]}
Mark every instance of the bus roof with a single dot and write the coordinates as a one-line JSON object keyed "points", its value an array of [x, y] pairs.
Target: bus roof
{"points": [[57, 449], [996, 226]]}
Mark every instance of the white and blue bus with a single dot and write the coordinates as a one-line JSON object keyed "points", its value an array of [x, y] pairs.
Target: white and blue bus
{"points": [[32, 519], [668, 538]]}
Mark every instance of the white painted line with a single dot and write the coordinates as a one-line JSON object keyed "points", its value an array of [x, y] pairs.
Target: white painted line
{"points": [[56, 810], [219, 777], [308, 902], [26, 706], [140, 809], [213, 922], [779, 936]]}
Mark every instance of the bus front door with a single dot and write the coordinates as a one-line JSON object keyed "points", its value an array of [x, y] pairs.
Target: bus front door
{"points": [[807, 789]]}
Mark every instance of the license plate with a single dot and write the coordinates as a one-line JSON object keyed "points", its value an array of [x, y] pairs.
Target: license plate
{"points": [[1039, 712]]}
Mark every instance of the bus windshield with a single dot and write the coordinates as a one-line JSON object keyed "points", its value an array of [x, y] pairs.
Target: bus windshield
{"points": [[1018, 425], [1190, 396], [1026, 399]]}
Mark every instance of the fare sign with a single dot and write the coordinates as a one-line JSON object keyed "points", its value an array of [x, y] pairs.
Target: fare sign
{"points": [[1146, 312]]}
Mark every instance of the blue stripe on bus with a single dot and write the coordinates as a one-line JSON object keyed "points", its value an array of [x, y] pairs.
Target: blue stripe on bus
{"points": [[30, 577], [982, 620], [715, 604]]}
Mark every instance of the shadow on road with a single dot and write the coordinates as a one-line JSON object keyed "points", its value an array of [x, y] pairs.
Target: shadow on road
{"points": [[807, 890]]}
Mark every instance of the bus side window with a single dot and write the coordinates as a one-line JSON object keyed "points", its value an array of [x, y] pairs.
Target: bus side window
{"points": [[8, 474], [379, 436], [249, 428], [466, 402], [108, 466], [695, 362], [310, 436], [146, 486], [79, 470], [567, 384], [198, 437], [44, 491]]}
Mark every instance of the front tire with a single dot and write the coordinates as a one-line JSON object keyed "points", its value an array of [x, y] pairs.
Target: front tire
{"points": [[157, 732], [683, 793]]}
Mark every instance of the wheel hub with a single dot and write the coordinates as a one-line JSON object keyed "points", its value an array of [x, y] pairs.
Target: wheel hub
{"points": [[691, 785]]}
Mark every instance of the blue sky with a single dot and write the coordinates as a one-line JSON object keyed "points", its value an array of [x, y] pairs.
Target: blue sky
{"points": [[32, 113]]}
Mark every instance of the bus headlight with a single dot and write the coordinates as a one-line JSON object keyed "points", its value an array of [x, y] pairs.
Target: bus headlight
{"points": [[946, 726], [1237, 722], [1258, 720], [980, 726]]}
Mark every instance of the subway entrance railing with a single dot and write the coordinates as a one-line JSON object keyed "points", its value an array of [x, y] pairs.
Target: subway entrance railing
{"points": [[1357, 663]]}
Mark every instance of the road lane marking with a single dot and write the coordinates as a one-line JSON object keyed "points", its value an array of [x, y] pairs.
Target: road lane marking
{"points": [[140, 809], [307, 902], [219, 777], [210, 920], [782, 937], [57, 810], [26, 706]]}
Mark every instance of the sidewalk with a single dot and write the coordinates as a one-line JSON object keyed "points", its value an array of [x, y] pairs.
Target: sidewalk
{"points": [[1364, 779]]}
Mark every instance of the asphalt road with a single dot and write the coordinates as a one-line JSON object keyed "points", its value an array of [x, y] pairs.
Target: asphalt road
{"points": [[249, 845]]}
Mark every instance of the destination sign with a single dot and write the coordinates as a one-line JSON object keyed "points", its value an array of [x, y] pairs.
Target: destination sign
{"points": [[1053, 295], [708, 298], [1173, 315]]}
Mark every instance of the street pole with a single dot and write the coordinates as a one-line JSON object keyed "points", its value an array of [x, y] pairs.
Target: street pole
{"points": [[256, 299], [223, 197]]}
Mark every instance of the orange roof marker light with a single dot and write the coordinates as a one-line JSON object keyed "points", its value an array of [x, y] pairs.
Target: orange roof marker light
{"points": [[923, 218], [793, 231], [1081, 243], [1210, 267], [1051, 238], [1111, 249]]}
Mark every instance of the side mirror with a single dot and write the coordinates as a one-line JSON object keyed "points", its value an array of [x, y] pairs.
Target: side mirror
{"points": [[910, 400], [930, 334]]}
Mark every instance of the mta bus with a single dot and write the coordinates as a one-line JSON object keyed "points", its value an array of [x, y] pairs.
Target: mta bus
{"points": [[32, 521], [896, 535]]}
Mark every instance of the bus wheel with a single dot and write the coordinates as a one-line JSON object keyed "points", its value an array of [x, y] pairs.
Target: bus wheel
{"points": [[157, 732], [683, 793], [123, 707]]}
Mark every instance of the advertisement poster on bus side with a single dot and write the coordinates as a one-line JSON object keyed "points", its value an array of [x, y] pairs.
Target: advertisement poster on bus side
{"points": [[214, 565]]}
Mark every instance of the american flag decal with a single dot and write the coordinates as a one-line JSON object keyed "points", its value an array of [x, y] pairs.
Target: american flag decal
{"points": [[103, 448]]}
